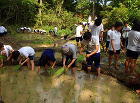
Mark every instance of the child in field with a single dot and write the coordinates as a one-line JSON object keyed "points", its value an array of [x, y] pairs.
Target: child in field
{"points": [[79, 33], [27, 52], [108, 37], [133, 47], [93, 51], [6, 50], [89, 20], [125, 31], [69, 51], [97, 30], [55, 31], [115, 42], [47, 58], [3, 31]]}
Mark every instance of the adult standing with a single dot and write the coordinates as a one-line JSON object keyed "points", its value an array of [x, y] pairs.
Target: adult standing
{"points": [[55, 31], [89, 19]]}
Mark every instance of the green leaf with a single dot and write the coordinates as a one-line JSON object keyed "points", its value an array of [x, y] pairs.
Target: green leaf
{"points": [[16, 67], [3, 57], [60, 71]]}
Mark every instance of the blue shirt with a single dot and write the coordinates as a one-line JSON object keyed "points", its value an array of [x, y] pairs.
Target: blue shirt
{"points": [[50, 53]]}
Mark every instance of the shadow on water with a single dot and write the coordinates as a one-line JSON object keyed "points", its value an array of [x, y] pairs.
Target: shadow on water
{"points": [[29, 87]]}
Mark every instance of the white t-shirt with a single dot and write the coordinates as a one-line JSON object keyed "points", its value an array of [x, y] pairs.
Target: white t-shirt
{"points": [[26, 51], [108, 34], [95, 30], [125, 34], [55, 29], [92, 44], [114, 35], [7, 49], [133, 41], [2, 29], [29, 29], [78, 30], [89, 19]]}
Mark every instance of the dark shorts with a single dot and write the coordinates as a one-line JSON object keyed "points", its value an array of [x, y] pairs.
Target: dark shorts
{"points": [[112, 53], [96, 58], [2, 34], [132, 54], [70, 57], [107, 44], [125, 41], [79, 38], [31, 57]]}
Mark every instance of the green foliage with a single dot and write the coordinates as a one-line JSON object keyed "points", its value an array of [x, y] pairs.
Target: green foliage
{"points": [[60, 71], [16, 67], [51, 71], [81, 58], [42, 42], [3, 57], [2, 70]]}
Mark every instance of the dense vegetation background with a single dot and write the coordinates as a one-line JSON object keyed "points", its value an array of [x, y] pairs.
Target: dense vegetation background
{"points": [[64, 14]]}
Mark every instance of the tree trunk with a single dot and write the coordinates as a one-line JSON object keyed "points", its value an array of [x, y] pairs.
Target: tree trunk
{"points": [[93, 12], [40, 12]]}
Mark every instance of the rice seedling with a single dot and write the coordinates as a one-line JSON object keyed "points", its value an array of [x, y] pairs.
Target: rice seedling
{"points": [[25, 76], [133, 96], [2, 70], [15, 95], [37, 93], [16, 73], [15, 81], [55, 92], [4, 95], [74, 98], [16, 67], [44, 86], [81, 58], [60, 71], [3, 57], [51, 79], [69, 89], [51, 71], [12, 84]]}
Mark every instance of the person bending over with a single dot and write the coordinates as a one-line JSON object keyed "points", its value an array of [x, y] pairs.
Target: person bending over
{"points": [[47, 58], [28, 53], [69, 51], [6, 50]]}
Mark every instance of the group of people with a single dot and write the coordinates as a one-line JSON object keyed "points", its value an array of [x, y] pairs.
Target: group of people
{"points": [[91, 40], [130, 40]]}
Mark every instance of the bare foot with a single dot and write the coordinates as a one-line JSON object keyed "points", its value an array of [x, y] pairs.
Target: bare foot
{"points": [[138, 91]]}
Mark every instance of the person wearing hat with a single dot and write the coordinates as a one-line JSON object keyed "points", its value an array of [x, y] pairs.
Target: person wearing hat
{"points": [[69, 51]]}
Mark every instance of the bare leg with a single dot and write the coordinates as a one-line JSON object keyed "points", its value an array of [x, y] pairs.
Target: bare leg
{"points": [[116, 59], [102, 46], [138, 91], [77, 44], [136, 78], [128, 59], [110, 59], [28, 64], [132, 66], [73, 70], [32, 64], [89, 69], [106, 50], [98, 71], [46, 66]]}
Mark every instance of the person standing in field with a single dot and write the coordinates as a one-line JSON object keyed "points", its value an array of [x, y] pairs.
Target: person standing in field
{"points": [[115, 42], [108, 37], [89, 20], [93, 51], [55, 31], [97, 30], [69, 51], [79, 33], [125, 32], [133, 47]]}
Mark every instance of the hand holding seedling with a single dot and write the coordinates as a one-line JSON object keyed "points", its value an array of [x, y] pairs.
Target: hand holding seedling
{"points": [[88, 55], [8, 58]]}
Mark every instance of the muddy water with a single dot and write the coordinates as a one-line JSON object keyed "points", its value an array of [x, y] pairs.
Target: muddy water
{"points": [[29, 87]]}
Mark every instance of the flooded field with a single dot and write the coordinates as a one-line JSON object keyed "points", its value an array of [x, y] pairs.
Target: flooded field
{"points": [[26, 86]]}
